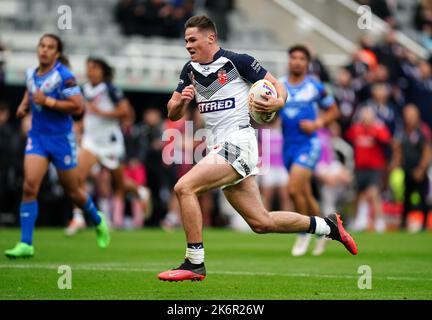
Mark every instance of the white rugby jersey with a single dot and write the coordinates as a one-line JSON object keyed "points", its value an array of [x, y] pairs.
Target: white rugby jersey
{"points": [[221, 91], [105, 97]]}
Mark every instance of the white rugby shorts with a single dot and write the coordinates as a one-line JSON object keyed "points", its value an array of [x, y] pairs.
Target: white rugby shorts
{"points": [[108, 152], [240, 149]]}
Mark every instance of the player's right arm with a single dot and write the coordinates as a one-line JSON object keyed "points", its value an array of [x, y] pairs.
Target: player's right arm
{"points": [[182, 97], [23, 108], [179, 102]]}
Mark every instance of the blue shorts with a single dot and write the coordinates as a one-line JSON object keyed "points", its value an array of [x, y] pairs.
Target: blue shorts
{"points": [[306, 154], [61, 149]]}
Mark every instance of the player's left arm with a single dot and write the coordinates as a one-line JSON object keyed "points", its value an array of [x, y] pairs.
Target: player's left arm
{"points": [[327, 117], [72, 104], [120, 112], [272, 104], [122, 105], [331, 112], [72, 101], [252, 71]]}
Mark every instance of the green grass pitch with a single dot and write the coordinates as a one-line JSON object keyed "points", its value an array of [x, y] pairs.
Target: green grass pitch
{"points": [[239, 265]]}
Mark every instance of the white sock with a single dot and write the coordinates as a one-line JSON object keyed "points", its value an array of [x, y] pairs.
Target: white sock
{"points": [[196, 256], [78, 215], [322, 228], [363, 212]]}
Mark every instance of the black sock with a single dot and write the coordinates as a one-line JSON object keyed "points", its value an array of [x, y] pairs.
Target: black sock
{"points": [[312, 227], [199, 245]]}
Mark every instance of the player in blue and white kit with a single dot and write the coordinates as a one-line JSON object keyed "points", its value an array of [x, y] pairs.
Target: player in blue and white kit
{"points": [[103, 143], [53, 94], [219, 82], [300, 121]]}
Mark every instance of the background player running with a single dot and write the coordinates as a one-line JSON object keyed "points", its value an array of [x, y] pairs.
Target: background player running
{"points": [[216, 77], [102, 141], [300, 121], [54, 96]]}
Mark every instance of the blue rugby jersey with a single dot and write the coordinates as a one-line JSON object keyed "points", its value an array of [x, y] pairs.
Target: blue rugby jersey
{"points": [[58, 83], [302, 104]]}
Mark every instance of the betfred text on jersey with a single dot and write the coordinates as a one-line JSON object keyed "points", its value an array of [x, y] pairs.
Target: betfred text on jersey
{"points": [[217, 105]]}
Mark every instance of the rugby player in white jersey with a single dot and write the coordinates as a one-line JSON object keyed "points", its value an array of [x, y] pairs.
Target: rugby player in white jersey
{"points": [[219, 81], [102, 141]]}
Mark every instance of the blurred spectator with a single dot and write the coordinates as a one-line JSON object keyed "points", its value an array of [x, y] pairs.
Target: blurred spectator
{"points": [[423, 14], [147, 137], [346, 97], [218, 11], [359, 71], [389, 53], [334, 175], [154, 18], [125, 16], [412, 152], [2, 71], [418, 90], [140, 209], [181, 11], [366, 51], [368, 136], [382, 106], [316, 67], [10, 153], [135, 170], [423, 22]]}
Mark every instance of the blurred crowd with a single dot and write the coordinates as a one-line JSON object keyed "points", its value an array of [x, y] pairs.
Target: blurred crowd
{"points": [[166, 18], [384, 96], [420, 21], [374, 164]]}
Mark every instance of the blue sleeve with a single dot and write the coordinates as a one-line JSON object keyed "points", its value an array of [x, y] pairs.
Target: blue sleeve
{"points": [[325, 99], [248, 67], [69, 86], [184, 80], [115, 93]]}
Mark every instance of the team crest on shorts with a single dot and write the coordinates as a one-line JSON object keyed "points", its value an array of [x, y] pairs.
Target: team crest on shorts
{"points": [[67, 160], [303, 158], [222, 76], [29, 145]]}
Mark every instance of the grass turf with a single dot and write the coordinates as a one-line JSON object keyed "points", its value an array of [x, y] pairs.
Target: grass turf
{"points": [[239, 266]]}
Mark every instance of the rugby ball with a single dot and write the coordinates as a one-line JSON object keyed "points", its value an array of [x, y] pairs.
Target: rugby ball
{"points": [[258, 88]]}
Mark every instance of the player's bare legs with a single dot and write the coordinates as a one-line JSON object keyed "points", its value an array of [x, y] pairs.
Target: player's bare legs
{"points": [[210, 173], [313, 205], [267, 194], [35, 168], [142, 201], [300, 191], [71, 182], [246, 199], [86, 161], [122, 186], [118, 202]]}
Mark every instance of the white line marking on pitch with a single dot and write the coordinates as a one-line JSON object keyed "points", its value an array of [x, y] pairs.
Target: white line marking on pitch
{"points": [[117, 267]]}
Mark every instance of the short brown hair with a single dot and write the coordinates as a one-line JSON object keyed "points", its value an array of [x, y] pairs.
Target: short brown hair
{"points": [[202, 23], [300, 48]]}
